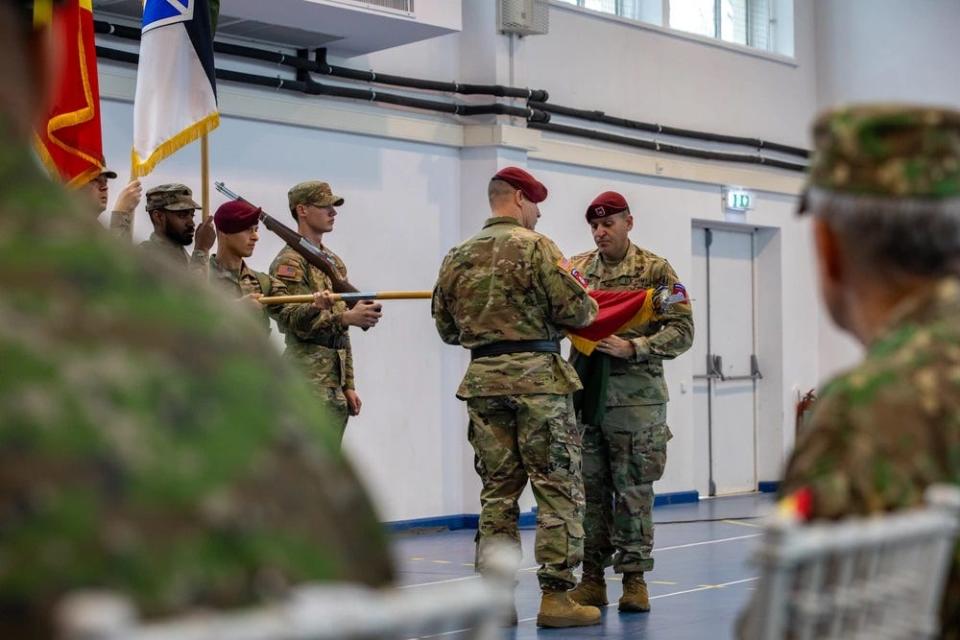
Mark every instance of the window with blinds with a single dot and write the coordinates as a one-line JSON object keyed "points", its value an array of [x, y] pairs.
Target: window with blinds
{"points": [[750, 23]]}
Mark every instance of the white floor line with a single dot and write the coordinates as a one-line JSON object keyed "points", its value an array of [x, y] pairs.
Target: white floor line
{"points": [[698, 544], [679, 593], [427, 584], [534, 568]]}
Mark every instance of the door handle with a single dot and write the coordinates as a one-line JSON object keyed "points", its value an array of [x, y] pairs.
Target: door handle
{"points": [[753, 375], [715, 367], [713, 373]]}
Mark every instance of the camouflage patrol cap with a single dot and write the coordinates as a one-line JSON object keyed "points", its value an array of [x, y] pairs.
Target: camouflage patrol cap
{"points": [[172, 197], [313, 192], [104, 171], [887, 150]]}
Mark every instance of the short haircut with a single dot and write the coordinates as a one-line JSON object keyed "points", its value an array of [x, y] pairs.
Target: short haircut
{"points": [[896, 236], [499, 190]]}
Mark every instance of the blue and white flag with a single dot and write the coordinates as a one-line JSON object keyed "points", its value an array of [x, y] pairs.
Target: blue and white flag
{"points": [[176, 100]]}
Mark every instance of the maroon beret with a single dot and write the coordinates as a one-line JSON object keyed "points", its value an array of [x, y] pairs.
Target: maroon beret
{"points": [[606, 204], [236, 216], [520, 179]]}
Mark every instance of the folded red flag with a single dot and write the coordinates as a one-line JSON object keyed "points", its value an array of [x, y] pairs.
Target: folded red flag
{"points": [[619, 311]]}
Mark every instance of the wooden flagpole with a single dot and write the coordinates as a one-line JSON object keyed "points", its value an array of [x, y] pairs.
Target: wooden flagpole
{"points": [[351, 297], [205, 177]]}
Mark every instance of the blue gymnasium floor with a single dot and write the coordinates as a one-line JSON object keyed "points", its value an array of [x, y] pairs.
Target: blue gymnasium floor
{"points": [[701, 581]]}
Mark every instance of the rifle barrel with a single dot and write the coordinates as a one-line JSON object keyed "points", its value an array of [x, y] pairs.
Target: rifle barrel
{"points": [[351, 297]]}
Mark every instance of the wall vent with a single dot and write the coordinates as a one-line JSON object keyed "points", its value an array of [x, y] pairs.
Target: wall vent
{"points": [[524, 17]]}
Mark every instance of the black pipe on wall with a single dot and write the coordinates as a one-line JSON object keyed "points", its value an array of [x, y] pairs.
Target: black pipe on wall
{"points": [[600, 116], [311, 87], [652, 145]]}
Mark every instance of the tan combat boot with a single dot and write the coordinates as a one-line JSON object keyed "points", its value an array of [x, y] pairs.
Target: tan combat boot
{"points": [[591, 591], [635, 597], [558, 610]]}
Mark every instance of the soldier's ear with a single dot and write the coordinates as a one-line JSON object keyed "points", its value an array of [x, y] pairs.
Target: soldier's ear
{"points": [[829, 251], [629, 219], [518, 198]]}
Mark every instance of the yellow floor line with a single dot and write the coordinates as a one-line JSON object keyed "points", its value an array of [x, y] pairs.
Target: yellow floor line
{"points": [[441, 562], [743, 524], [669, 584]]}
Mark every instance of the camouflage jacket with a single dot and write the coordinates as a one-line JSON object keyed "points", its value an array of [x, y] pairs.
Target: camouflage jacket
{"points": [[640, 381], [151, 440], [247, 281], [160, 246], [506, 283], [317, 340], [890, 427], [121, 225]]}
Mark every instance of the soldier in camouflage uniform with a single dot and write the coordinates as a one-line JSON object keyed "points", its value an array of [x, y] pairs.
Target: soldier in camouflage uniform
{"points": [[171, 208], [505, 295], [237, 223], [884, 193], [319, 341], [97, 190], [625, 445], [151, 441]]}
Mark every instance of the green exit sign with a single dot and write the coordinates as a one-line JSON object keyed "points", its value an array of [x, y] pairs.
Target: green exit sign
{"points": [[739, 200]]}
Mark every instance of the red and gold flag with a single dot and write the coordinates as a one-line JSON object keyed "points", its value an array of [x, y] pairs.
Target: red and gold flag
{"points": [[624, 310], [69, 139], [619, 311]]}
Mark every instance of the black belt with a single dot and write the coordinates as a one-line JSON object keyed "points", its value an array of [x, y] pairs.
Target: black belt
{"points": [[515, 346], [335, 343]]}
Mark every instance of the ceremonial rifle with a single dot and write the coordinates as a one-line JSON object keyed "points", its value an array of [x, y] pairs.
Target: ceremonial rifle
{"points": [[310, 252]]}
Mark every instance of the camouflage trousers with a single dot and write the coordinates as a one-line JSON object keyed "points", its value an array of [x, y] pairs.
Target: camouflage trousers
{"points": [[535, 437], [335, 403], [621, 460]]}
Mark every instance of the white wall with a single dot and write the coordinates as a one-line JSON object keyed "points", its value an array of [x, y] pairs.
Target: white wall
{"points": [[888, 50], [882, 50], [415, 185]]}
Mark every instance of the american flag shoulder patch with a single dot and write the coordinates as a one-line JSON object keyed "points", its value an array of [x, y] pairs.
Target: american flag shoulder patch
{"points": [[288, 272], [567, 267]]}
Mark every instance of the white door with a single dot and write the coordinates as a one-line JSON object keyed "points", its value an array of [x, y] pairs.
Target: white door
{"points": [[724, 361]]}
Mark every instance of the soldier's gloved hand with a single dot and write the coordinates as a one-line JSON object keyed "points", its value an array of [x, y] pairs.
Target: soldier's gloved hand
{"points": [[206, 236], [365, 314], [323, 300], [617, 347], [129, 197]]}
